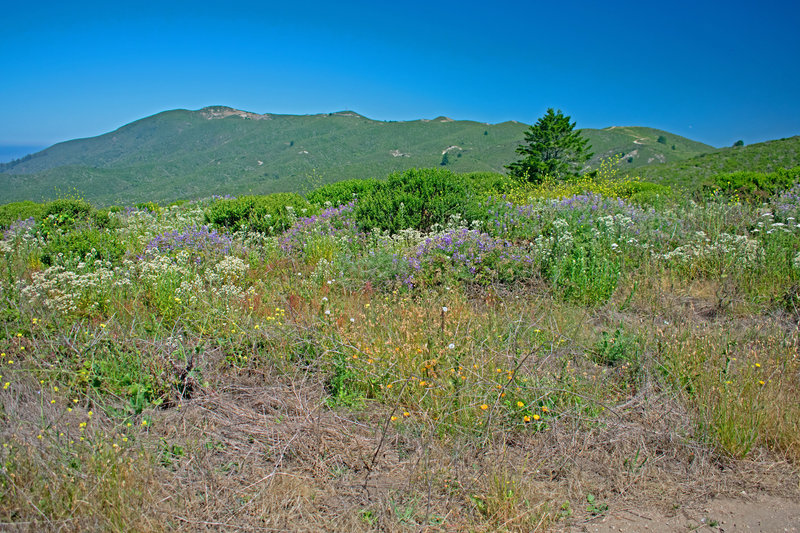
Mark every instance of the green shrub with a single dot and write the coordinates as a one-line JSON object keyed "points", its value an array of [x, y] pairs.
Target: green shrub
{"points": [[418, 199], [153, 207], [67, 211], [752, 186], [77, 244], [615, 347], [490, 182], [269, 214], [646, 193], [586, 275], [10, 213], [342, 192]]}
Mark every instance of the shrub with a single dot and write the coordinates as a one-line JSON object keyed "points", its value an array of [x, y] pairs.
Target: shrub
{"points": [[490, 182], [153, 207], [11, 213], [269, 214], [342, 192], [67, 211], [645, 193], [418, 199], [752, 186], [80, 243]]}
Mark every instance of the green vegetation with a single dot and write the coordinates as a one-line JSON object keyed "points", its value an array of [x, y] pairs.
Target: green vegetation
{"points": [[11, 213], [220, 151], [435, 351], [145, 355], [417, 199], [551, 149], [342, 192], [691, 173], [753, 186], [269, 214]]}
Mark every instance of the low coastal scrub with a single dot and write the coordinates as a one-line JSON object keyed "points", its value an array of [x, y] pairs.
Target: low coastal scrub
{"points": [[430, 352]]}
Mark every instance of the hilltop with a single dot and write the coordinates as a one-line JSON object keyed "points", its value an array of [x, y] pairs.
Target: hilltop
{"points": [[220, 150]]}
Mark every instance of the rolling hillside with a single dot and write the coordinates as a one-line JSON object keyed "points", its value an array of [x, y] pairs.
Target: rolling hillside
{"points": [[762, 157], [219, 150]]}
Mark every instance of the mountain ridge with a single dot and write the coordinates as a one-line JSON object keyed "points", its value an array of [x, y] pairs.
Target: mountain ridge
{"points": [[182, 153]]}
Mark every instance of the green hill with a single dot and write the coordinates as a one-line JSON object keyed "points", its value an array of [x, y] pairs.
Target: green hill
{"points": [[638, 146], [219, 150], [761, 157]]}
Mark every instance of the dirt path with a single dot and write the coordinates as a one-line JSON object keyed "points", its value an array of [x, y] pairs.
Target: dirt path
{"points": [[766, 514]]}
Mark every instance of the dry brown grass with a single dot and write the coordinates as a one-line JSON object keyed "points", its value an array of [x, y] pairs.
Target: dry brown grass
{"points": [[259, 446]]}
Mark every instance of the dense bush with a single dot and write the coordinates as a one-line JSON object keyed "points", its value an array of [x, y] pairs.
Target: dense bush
{"points": [[66, 212], [269, 214], [76, 245], [418, 199], [753, 186], [10, 213], [490, 182], [342, 192], [645, 193]]}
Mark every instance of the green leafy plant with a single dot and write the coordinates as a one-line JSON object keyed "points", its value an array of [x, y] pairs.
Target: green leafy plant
{"points": [[615, 347], [594, 506], [342, 192], [753, 186], [10, 213], [77, 245], [418, 199], [269, 214]]}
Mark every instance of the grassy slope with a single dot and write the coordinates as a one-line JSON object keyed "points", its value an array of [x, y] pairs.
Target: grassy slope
{"points": [[185, 154], [642, 147], [763, 157]]}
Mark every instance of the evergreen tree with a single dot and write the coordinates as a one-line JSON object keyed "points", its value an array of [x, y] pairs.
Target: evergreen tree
{"points": [[552, 148]]}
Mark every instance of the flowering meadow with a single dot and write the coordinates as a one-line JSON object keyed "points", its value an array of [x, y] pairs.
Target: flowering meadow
{"points": [[478, 355]]}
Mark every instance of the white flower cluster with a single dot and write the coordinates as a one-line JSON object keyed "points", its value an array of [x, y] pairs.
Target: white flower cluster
{"points": [[228, 271], [617, 224], [157, 267], [221, 282], [66, 291], [401, 241], [726, 248], [769, 226], [554, 246]]}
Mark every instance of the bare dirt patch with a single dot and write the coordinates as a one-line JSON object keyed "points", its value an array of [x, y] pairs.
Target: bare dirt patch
{"points": [[759, 513]]}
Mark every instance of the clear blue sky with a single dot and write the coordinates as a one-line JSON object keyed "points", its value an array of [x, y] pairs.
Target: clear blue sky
{"points": [[712, 71]]}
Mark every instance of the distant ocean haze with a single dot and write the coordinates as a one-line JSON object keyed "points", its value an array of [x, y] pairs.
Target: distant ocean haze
{"points": [[10, 152]]}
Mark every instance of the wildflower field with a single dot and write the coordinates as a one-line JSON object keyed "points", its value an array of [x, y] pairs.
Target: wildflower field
{"points": [[435, 352]]}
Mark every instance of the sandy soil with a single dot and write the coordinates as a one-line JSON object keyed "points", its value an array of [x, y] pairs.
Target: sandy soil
{"points": [[768, 514]]}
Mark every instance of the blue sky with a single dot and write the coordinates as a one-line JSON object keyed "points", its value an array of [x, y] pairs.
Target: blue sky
{"points": [[712, 71]]}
